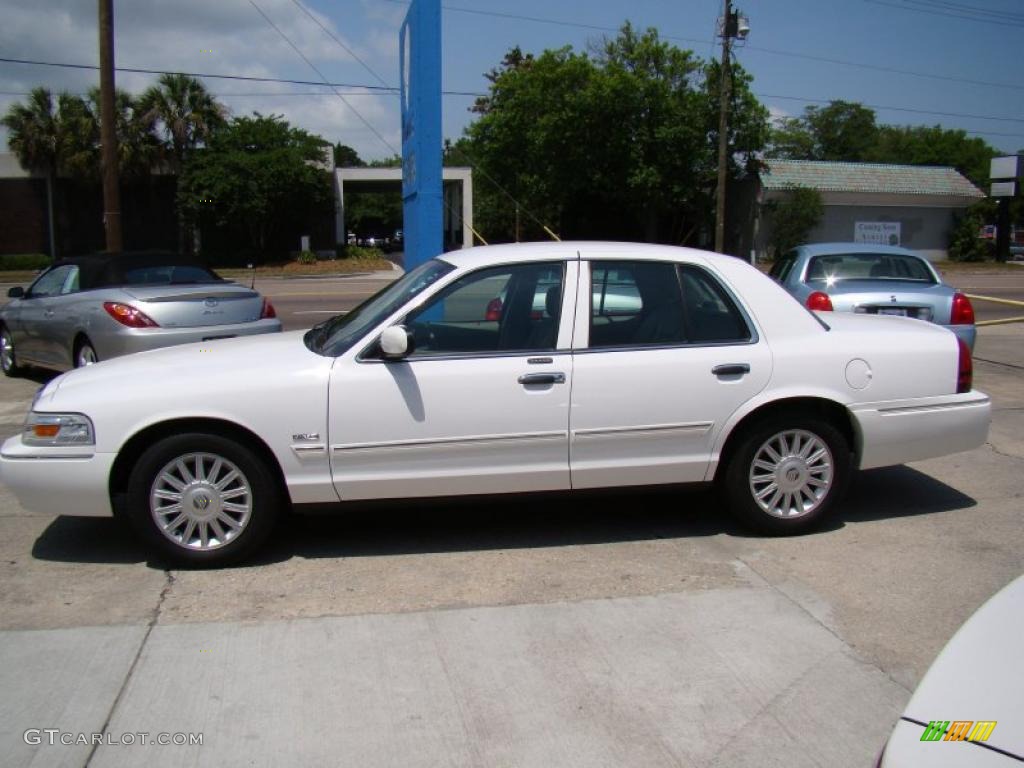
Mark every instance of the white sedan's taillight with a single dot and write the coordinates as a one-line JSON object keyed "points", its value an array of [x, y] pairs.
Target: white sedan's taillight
{"points": [[964, 368]]}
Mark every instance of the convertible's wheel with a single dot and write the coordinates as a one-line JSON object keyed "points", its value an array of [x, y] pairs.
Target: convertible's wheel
{"points": [[787, 474], [202, 499], [85, 354], [8, 360]]}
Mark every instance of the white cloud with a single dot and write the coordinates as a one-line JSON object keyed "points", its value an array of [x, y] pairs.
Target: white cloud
{"points": [[222, 37]]}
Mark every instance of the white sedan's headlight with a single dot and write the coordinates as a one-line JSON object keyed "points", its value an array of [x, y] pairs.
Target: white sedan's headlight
{"points": [[51, 429]]}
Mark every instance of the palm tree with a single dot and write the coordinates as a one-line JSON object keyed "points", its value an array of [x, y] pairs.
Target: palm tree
{"points": [[182, 114], [44, 134], [137, 148]]}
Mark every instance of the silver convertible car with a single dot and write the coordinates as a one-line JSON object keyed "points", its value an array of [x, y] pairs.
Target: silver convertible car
{"points": [[90, 308], [873, 280]]}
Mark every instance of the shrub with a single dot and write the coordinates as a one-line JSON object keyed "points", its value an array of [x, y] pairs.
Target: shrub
{"points": [[306, 257], [794, 218], [24, 261], [964, 243], [359, 253]]}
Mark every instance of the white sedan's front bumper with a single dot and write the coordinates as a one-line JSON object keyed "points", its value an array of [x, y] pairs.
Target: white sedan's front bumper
{"points": [[57, 481], [898, 431]]}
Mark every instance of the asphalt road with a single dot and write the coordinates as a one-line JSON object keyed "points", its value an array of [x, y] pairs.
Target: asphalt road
{"points": [[503, 633]]}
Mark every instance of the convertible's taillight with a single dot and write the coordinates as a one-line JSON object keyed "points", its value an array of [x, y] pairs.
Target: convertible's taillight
{"points": [[964, 368], [819, 302], [963, 312], [493, 313], [128, 315], [268, 310]]}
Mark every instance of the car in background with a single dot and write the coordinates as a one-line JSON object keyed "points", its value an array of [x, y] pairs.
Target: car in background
{"points": [[874, 280], [91, 308], [969, 708], [701, 370]]}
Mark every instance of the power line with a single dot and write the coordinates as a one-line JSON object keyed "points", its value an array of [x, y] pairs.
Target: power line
{"points": [[336, 39], [896, 109], [888, 70], [950, 10], [772, 51], [313, 66], [383, 90]]}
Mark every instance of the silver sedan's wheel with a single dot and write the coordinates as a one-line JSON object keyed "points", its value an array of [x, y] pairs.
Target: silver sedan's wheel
{"points": [[201, 501], [7, 360], [791, 474], [86, 355]]}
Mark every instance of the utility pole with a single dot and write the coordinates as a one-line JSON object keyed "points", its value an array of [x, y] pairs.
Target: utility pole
{"points": [[108, 130], [724, 87]]}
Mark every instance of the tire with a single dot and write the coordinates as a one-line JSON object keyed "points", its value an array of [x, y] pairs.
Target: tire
{"points": [[85, 353], [227, 499], [8, 359], [787, 474]]}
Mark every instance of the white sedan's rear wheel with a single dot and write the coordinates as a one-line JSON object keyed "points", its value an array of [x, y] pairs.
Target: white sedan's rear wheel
{"points": [[787, 474], [202, 499]]}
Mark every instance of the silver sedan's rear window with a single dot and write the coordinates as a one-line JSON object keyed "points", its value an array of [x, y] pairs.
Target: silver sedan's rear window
{"points": [[868, 266]]}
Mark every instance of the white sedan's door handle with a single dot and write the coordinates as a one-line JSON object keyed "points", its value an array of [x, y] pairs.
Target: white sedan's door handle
{"points": [[542, 378], [731, 369]]}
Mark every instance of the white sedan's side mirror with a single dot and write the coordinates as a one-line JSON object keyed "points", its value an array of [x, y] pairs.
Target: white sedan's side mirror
{"points": [[395, 342]]}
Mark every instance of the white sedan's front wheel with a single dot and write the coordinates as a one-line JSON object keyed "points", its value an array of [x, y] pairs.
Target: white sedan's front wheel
{"points": [[202, 499], [787, 474]]}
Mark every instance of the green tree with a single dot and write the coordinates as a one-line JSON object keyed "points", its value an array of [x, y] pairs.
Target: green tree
{"points": [[138, 150], [46, 136], [794, 217], [843, 130], [346, 157], [183, 115], [257, 175], [619, 143], [934, 145]]}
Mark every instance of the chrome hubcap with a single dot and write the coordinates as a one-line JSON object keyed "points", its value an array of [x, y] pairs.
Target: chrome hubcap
{"points": [[6, 351], [200, 501], [791, 473], [86, 356]]}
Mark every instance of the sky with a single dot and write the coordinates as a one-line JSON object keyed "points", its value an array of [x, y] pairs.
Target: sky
{"points": [[916, 62]]}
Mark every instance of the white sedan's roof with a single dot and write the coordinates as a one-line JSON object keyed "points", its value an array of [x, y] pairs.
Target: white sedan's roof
{"points": [[588, 249]]}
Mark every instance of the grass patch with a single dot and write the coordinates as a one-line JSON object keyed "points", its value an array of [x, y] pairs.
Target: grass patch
{"points": [[297, 269]]}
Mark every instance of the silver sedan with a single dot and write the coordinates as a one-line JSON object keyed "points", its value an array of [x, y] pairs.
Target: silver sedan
{"points": [[90, 308], [875, 280]]}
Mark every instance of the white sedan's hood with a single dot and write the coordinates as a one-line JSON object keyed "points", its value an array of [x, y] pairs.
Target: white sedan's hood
{"points": [[245, 360], [271, 384]]}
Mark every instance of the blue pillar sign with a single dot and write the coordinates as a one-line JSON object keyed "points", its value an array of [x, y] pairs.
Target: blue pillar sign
{"points": [[420, 62]]}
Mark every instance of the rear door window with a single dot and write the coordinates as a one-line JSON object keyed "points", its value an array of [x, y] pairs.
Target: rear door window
{"points": [[648, 303]]}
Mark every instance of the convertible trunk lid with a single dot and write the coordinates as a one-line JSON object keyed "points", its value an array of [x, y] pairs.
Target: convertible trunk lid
{"points": [[190, 306]]}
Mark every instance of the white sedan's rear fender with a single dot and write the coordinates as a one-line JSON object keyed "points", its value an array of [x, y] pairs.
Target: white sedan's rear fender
{"points": [[897, 431]]}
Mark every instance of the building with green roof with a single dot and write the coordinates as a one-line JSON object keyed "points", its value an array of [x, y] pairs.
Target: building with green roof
{"points": [[909, 205]]}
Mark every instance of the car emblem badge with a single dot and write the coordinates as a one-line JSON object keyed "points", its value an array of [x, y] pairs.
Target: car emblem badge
{"points": [[892, 299], [201, 502], [214, 302]]}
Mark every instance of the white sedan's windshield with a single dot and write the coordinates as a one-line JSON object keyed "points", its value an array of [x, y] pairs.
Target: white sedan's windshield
{"points": [[335, 336]]}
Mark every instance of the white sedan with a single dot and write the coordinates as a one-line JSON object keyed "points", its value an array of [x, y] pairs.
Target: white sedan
{"points": [[711, 373]]}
